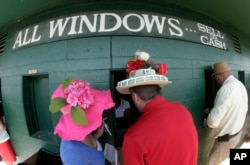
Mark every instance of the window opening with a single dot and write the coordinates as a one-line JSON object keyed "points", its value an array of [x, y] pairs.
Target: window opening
{"points": [[36, 103], [126, 112]]}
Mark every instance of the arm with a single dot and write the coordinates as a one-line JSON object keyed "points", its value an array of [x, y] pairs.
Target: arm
{"points": [[2, 125], [98, 133], [221, 104]]}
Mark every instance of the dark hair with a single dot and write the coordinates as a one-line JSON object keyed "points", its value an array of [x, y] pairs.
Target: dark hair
{"points": [[146, 92]]}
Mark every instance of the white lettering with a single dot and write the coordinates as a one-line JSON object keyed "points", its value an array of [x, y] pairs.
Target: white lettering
{"points": [[178, 30], [102, 22], [155, 19], [204, 40], [25, 41], [18, 41], [141, 24], [97, 23], [237, 156], [91, 27], [213, 42], [59, 25], [209, 30], [223, 45], [201, 27], [218, 34], [34, 39], [73, 25], [243, 155], [240, 156]]}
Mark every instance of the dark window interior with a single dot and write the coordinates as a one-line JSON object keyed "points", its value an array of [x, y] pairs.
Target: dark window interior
{"points": [[241, 76], [36, 103], [130, 115], [211, 89]]}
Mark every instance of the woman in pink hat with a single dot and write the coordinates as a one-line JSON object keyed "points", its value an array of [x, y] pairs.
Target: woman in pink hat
{"points": [[81, 123]]}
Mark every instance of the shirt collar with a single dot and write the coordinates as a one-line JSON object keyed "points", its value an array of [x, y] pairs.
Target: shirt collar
{"points": [[228, 79], [153, 103]]}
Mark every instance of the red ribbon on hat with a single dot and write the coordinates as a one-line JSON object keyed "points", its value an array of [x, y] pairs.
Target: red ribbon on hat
{"points": [[162, 70]]}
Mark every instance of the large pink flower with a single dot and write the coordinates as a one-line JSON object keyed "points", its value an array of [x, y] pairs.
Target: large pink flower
{"points": [[72, 100], [79, 94]]}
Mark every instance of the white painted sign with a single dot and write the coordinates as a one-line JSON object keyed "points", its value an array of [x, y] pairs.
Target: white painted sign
{"points": [[119, 23]]}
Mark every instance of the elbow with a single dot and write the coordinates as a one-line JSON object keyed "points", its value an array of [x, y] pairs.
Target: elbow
{"points": [[211, 124]]}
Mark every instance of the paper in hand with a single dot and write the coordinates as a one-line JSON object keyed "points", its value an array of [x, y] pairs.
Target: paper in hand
{"points": [[111, 154]]}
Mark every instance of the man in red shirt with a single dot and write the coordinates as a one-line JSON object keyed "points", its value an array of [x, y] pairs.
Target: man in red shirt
{"points": [[165, 133]]}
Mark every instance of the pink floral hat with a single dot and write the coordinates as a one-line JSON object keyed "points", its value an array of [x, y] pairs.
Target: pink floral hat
{"points": [[81, 107]]}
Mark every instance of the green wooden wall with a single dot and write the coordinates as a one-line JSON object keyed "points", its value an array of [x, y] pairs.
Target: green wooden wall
{"points": [[93, 59]]}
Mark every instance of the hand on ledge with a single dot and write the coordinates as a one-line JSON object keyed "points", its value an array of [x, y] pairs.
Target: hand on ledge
{"points": [[247, 138]]}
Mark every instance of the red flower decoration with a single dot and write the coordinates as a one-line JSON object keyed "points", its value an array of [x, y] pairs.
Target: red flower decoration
{"points": [[142, 60], [162, 69], [135, 64]]}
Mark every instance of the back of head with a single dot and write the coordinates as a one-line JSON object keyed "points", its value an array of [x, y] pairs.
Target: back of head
{"points": [[146, 92]]}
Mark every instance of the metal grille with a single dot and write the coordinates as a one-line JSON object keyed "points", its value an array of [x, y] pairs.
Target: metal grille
{"points": [[236, 43], [2, 43]]}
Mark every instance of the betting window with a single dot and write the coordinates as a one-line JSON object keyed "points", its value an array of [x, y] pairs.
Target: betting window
{"points": [[126, 112], [36, 103], [241, 76]]}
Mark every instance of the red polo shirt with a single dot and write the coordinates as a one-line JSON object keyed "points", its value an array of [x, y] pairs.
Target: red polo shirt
{"points": [[165, 134]]}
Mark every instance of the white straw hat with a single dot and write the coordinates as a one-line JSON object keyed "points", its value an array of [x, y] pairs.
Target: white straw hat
{"points": [[142, 71]]}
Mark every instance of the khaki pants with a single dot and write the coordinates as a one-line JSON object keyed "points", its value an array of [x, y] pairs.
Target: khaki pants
{"points": [[221, 150]]}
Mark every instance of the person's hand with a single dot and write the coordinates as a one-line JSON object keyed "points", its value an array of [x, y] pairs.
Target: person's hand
{"points": [[247, 138], [206, 110], [2, 126], [205, 123], [100, 130]]}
